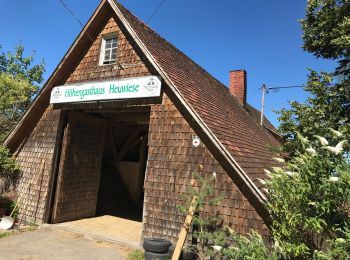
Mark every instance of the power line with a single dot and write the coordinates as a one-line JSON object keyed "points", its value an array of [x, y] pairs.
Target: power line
{"points": [[71, 13], [75, 17], [291, 87], [275, 89], [155, 11]]}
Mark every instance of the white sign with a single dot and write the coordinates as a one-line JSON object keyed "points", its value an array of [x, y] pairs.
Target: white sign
{"points": [[196, 141], [107, 90]]}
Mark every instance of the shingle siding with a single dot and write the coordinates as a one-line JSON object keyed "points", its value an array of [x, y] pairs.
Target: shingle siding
{"points": [[172, 160], [36, 160], [127, 59]]}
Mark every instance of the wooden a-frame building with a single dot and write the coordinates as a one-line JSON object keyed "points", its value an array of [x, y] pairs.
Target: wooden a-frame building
{"points": [[134, 155]]}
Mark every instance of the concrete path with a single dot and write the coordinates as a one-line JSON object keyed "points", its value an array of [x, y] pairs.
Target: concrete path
{"points": [[52, 244], [107, 228]]}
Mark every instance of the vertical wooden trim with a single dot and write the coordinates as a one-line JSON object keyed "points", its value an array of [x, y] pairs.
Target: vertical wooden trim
{"points": [[142, 164], [144, 181], [144, 207], [59, 172], [101, 160]]}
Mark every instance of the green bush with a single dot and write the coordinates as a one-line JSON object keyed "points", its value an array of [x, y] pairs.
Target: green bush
{"points": [[309, 198], [339, 248], [207, 227], [12, 208], [210, 238], [249, 246], [9, 170]]}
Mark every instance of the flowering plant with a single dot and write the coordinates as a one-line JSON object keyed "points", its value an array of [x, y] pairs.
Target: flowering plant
{"points": [[309, 197]]}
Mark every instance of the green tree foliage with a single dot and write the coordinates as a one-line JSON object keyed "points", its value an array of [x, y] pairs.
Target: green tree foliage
{"points": [[15, 96], [21, 67], [327, 107], [309, 198], [9, 170], [339, 248], [19, 82], [326, 29]]}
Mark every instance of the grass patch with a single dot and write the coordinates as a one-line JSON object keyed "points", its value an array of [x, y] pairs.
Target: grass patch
{"points": [[32, 227], [17, 231], [136, 254], [5, 234]]}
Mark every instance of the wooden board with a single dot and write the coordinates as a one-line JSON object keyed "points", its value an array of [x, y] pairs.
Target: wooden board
{"points": [[80, 168], [185, 227], [184, 230]]}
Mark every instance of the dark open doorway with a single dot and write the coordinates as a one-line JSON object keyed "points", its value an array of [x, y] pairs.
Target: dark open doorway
{"points": [[101, 169], [123, 165]]}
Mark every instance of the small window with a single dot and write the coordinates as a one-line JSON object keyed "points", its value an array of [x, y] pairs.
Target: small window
{"points": [[108, 50]]}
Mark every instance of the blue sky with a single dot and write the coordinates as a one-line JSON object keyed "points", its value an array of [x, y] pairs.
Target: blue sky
{"points": [[262, 37]]}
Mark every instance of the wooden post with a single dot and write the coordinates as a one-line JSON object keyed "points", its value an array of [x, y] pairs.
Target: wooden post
{"points": [[185, 227]]}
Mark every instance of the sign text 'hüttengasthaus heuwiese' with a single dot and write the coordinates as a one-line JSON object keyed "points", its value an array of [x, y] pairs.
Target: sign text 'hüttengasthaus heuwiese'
{"points": [[107, 90]]}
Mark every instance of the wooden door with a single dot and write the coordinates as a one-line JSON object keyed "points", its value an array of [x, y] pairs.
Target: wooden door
{"points": [[80, 168]]}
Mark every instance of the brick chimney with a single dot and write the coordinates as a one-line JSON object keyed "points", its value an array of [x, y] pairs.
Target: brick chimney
{"points": [[238, 85]]}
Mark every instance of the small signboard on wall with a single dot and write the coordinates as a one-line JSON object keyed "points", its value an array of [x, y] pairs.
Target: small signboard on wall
{"points": [[143, 87], [196, 141]]}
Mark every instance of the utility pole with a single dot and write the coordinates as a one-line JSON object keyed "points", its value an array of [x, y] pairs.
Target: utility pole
{"points": [[264, 89]]}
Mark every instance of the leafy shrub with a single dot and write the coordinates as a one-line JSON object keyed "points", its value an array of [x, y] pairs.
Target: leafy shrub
{"points": [[250, 246], [206, 227], [210, 238], [339, 248], [9, 170], [12, 208], [309, 198]]}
